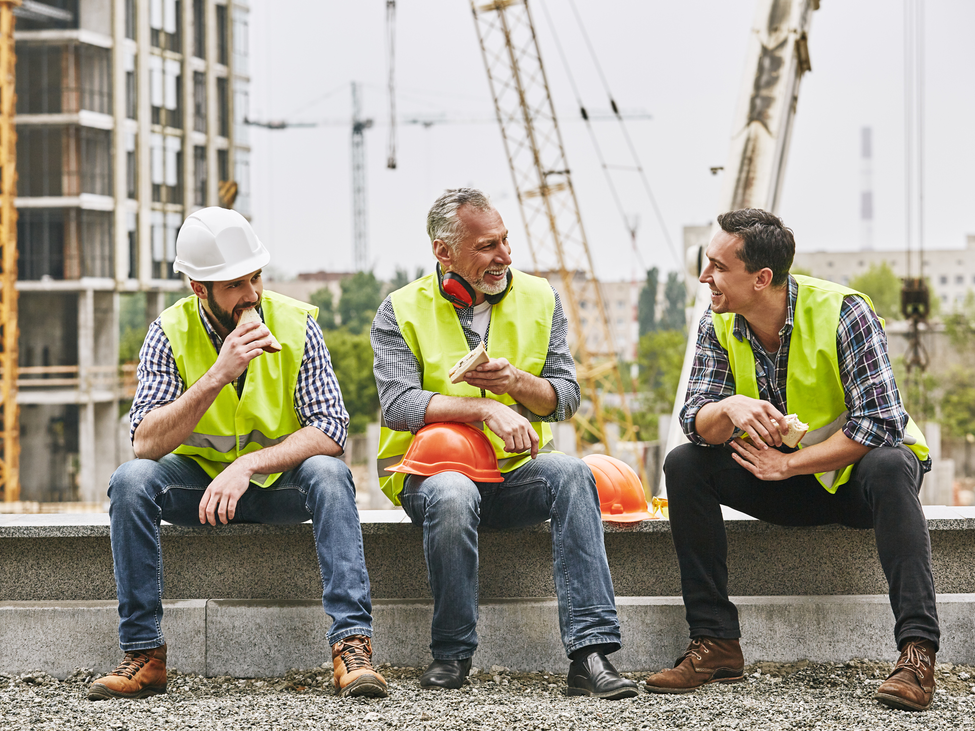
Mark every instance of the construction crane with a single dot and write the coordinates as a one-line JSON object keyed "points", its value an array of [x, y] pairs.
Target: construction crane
{"points": [[360, 221], [9, 411], [549, 209], [778, 56]]}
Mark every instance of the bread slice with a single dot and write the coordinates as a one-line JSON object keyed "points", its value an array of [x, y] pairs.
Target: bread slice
{"points": [[469, 362], [252, 315], [796, 431]]}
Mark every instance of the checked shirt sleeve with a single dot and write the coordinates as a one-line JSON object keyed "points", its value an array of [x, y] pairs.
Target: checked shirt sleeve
{"points": [[711, 378], [159, 379], [877, 416], [318, 397]]}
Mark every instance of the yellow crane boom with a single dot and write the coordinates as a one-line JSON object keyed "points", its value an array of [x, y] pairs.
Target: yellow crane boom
{"points": [[547, 200]]}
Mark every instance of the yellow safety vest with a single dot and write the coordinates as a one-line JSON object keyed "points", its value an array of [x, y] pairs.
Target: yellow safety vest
{"points": [[264, 414], [521, 326], [814, 390]]}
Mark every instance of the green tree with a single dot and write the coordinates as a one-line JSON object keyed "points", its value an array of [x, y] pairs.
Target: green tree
{"points": [[352, 361], [958, 402], [661, 355], [323, 300], [883, 287], [673, 317], [361, 297], [958, 384], [647, 305]]}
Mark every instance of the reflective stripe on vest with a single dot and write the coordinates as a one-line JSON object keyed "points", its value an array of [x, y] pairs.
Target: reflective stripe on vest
{"points": [[521, 327], [814, 389], [264, 415]]}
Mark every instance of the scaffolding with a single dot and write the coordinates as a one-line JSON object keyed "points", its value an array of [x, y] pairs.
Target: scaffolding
{"points": [[549, 209], [10, 435]]}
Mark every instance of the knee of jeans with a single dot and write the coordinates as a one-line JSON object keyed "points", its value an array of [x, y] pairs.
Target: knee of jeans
{"points": [[127, 484], [327, 473], [451, 495], [680, 459], [577, 476], [889, 470]]}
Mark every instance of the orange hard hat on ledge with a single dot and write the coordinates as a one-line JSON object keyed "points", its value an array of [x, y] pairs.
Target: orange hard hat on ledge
{"points": [[621, 497], [451, 447]]}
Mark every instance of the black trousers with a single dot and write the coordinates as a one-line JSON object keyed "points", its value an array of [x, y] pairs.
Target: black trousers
{"points": [[882, 494]]}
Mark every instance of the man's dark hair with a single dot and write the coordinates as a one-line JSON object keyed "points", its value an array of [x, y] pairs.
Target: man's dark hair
{"points": [[765, 241]]}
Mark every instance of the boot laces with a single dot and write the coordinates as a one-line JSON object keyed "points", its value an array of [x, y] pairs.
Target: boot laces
{"points": [[914, 659], [356, 654], [696, 647], [132, 663]]}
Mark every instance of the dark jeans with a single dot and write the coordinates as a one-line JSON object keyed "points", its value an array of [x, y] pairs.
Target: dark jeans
{"points": [[882, 494]]}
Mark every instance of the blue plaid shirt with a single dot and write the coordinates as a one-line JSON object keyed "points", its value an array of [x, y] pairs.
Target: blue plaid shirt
{"points": [[877, 416], [318, 398]]}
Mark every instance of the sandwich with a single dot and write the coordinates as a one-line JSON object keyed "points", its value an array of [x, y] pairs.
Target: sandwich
{"points": [[469, 362], [796, 431], [252, 315]]}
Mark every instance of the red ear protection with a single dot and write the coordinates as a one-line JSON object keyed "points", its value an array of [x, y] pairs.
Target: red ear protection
{"points": [[458, 291]]}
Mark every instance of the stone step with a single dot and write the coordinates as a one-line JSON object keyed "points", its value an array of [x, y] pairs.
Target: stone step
{"points": [[815, 593]]}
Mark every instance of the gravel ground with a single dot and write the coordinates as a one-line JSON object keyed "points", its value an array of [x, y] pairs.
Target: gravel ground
{"points": [[776, 696]]}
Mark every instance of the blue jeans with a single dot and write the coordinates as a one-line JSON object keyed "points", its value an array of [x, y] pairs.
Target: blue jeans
{"points": [[450, 507], [143, 492]]}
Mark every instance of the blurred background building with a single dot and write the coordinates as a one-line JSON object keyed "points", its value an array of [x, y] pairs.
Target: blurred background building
{"points": [[130, 115]]}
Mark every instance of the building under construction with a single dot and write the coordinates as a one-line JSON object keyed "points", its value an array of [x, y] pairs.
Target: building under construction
{"points": [[130, 115]]}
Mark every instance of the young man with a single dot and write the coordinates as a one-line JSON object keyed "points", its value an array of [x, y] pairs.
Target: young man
{"points": [[227, 432], [772, 344], [529, 380]]}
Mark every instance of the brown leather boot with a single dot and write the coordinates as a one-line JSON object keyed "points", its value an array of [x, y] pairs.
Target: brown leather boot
{"points": [[706, 660], [911, 686], [141, 673], [354, 673]]}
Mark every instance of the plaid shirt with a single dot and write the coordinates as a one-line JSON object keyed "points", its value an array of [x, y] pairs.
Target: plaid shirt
{"points": [[400, 381], [318, 399], [877, 417]]}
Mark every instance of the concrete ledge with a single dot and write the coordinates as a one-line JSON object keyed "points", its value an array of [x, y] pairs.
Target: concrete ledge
{"points": [[59, 637], [253, 606], [258, 639], [54, 557]]}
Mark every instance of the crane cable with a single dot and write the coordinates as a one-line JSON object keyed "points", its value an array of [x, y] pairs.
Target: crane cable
{"points": [[391, 86], [638, 166], [915, 296]]}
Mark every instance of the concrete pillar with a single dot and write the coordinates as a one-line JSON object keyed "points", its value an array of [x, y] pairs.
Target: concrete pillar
{"points": [[86, 411]]}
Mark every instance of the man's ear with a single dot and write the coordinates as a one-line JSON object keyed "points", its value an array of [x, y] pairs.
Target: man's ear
{"points": [[763, 278], [199, 290], [443, 253]]}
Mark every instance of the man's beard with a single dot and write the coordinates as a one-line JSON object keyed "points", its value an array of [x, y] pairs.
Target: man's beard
{"points": [[497, 288], [225, 318]]}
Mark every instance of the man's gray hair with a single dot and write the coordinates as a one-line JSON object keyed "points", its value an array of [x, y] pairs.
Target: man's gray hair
{"points": [[442, 220]]}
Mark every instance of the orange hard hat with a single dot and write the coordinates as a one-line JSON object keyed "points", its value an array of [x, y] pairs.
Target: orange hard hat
{"points": [[621, 498], [451, 447]]}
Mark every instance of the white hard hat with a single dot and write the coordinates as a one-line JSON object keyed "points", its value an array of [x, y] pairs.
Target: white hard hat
{"points": [[218, 244]]}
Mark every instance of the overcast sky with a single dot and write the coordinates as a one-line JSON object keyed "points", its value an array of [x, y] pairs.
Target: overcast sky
{"points": [[680, 62]]}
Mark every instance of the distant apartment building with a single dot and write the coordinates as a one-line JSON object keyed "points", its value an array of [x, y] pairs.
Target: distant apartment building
{"points": [[130, 115], [950, 272]]}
